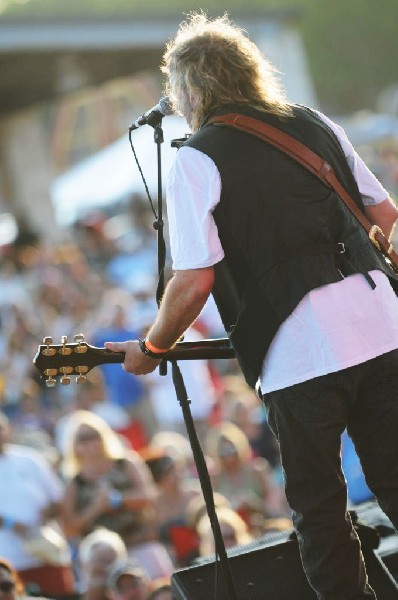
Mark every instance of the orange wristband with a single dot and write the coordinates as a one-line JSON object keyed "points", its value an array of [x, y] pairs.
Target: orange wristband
{"points": [[155, 349]]}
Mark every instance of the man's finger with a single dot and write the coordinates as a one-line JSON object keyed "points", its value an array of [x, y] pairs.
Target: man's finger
{"points": [[116, 346]]}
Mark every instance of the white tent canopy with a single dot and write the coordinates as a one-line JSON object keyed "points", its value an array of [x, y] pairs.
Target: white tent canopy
{"points": [[112, 174]]}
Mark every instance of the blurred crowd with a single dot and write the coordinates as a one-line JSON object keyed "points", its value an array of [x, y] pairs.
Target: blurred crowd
{"points": [[99, 492], [100, 496]]}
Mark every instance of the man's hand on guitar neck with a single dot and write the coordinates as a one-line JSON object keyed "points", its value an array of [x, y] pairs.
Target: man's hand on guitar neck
{"points": [[184, 298], [136, 361]]}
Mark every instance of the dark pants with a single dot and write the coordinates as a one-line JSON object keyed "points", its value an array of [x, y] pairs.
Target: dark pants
{"points": [[308, 420]]}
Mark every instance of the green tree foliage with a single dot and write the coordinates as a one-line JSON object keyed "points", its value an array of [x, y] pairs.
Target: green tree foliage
{"points": [[353, 50], [351, 44]]}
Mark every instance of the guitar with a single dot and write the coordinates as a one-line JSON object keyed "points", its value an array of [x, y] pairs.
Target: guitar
{"points": [[78, 358]]}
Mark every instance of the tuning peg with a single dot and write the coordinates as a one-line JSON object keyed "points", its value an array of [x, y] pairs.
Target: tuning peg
{"points": [[82, 370], [51, 373], [65, 379], [48, 351], [64, 350], [51, 382], [79, 339]]}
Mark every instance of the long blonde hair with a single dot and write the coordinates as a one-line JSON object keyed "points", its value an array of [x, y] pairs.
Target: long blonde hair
{"points": [[227, 432], [112, 445], [214, 62], [226, 516]]}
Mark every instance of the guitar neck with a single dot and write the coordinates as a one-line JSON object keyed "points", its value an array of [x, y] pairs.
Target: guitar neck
{"points": [[199, 350]]}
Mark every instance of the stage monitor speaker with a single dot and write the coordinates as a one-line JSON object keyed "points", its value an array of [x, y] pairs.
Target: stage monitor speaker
{"points": [[270, 572], [371, 514]]}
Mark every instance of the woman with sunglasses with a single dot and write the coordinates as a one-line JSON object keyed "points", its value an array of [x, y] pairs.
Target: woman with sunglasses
{"points": [[246, 480], [110, 486]]}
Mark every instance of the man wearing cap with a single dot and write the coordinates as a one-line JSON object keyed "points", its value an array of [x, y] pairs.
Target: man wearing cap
{"points": [[128, 581]]}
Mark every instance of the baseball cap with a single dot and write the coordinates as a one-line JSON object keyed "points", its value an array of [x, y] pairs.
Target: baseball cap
{"points": [[125, 568]]}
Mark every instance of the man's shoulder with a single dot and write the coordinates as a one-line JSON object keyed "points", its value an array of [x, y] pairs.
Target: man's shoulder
{"points": [[20, 453]]}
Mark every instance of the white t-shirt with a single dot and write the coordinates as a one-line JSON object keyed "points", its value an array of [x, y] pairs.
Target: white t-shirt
{"points": [[335, 326], [28, 485]]}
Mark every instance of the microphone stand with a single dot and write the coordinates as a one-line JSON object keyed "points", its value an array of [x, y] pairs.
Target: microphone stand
{"points": [[204, 478], [159, 224], [181, 392]]}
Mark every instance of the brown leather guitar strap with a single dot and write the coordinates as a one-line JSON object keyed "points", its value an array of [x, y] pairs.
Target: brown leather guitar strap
{"points": [[314, 163]]}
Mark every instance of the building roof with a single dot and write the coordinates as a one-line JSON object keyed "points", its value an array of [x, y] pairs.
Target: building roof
{"points": [[42, 57]]}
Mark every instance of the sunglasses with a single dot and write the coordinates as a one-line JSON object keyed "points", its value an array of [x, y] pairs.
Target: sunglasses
{"points": [[228, 536], [226, 451], [7, 586], [86, 437], [132, 583]]}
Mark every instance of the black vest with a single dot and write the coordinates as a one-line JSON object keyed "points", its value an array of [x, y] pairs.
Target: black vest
{"points": [[284, 233]]}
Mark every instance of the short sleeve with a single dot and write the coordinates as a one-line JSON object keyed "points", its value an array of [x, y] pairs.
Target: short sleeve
{"points": [[371, 189], [193, 191]]}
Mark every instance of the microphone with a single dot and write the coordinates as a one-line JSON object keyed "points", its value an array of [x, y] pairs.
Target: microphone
{"points": [[154, 115]]}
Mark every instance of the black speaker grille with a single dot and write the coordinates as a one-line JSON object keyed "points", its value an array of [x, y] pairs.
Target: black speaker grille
{"points": [[270, 568], [268, 573]]}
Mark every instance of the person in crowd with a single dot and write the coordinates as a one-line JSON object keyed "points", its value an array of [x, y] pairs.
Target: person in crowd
{"points": [[199, 387], [128, 581], [97, 247], [234, 531], [110, 486], [39, 440], [97, 552], [161, 591], [19, 328], [32, 422], [177, 446], [175, 494], [124, 389], [246, 481], [92, 397], [11, 586], [31, 413], [196, 508], [305, 295], [31, 497], [241, 406]]}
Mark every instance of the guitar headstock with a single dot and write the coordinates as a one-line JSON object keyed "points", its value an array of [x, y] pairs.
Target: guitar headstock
{"points": [[67, 359]]}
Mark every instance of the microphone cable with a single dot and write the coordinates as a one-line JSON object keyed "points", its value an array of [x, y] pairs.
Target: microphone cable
{"points": [[157, 225]]}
